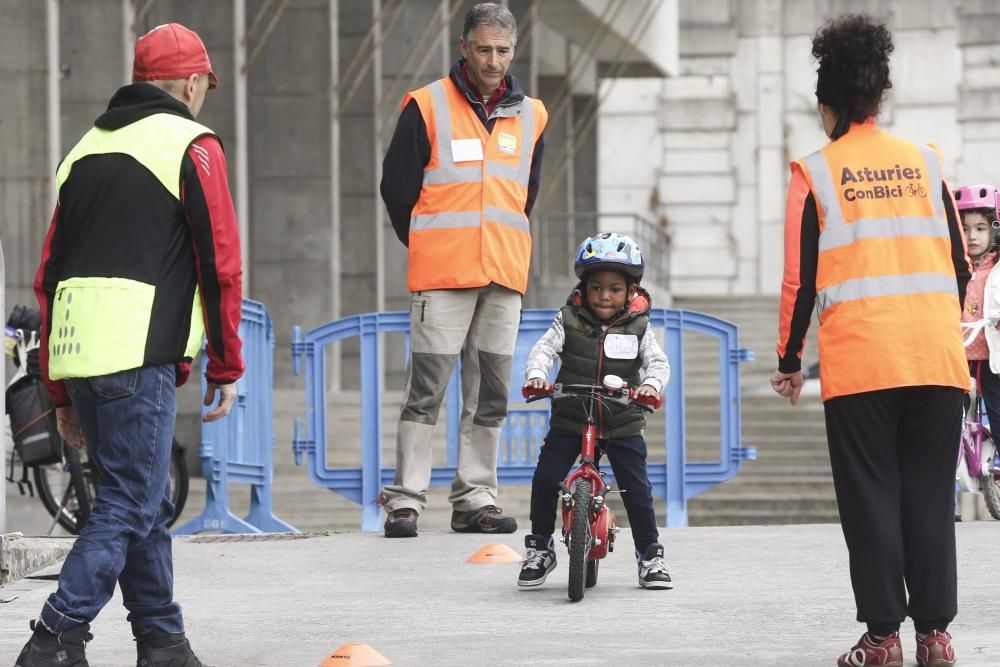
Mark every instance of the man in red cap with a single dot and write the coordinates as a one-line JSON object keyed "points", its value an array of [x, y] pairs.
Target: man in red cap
{"points": [[142, 259]]}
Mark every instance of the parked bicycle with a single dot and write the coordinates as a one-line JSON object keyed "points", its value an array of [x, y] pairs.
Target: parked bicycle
{"points": [[589, 525], [978, 468], [65, 478]]}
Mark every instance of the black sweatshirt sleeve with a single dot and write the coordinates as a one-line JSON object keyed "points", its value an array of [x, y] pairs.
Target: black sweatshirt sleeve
{"points": [[535, 176], [808, 254], [962, 272], [403, 169]]}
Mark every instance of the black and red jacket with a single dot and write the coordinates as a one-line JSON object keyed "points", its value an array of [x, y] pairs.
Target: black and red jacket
{"points": [[114, 218]]}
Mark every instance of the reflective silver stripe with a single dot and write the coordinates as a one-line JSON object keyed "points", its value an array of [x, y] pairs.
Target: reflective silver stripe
{"points": [[457, 219], [472, 173], [449, 220], [518, 221], [836, 233], [868, 228], [826, 192], [442, 122], [506, 171], [862, 288], [34, 438], [447, 171], [527, 140]]}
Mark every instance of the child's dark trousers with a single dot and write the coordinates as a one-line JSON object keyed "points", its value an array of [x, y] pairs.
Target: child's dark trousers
{"points": [[628, 461]]}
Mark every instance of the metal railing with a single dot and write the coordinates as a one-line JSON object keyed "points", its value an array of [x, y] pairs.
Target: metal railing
{"points": [[556, 237], [676, 479], [239, 448]]}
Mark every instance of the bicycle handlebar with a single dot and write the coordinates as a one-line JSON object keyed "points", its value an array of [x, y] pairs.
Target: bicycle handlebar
{"points": [[624, 396], [975, 327]]}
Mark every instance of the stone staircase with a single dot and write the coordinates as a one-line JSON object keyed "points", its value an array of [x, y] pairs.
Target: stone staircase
{"points": [[788, 483]]}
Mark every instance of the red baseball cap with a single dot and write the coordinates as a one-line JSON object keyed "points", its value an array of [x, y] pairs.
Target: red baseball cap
{"points": [[169, 52]]}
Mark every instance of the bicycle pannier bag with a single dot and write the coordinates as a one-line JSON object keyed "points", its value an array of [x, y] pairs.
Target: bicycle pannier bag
{"points": [[33, 422]]}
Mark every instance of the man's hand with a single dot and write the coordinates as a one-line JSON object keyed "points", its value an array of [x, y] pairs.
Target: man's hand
{"points": [[227, 395], [68, 425], [788, 385], [535, 383], [646, 390]]}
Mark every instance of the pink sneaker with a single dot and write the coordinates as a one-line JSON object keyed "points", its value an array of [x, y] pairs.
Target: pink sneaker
{"points": [[935, 649], [866, 652]]}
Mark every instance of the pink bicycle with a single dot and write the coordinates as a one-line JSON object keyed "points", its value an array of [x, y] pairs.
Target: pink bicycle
{"points": [[978, 468]]}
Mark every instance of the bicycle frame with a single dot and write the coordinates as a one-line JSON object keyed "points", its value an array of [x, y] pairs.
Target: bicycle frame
{"points": [[976, 455], [603, 524]]}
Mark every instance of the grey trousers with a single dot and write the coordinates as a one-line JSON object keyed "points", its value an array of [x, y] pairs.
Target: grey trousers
{"points": [[480, 324]]}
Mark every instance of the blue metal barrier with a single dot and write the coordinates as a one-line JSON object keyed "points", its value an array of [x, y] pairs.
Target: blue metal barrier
{"points": [[677, 480], [239, 448]]}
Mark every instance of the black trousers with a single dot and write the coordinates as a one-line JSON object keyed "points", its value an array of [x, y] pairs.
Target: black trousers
{"points": [[989, 389], [893, 454], [628, 461]]}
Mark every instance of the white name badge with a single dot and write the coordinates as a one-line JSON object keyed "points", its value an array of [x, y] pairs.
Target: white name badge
{"points": [[507, 143], [621, 346], [466, 150]]}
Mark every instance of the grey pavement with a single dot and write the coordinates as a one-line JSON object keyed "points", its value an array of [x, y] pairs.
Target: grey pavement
{"points": [[767, 595]]}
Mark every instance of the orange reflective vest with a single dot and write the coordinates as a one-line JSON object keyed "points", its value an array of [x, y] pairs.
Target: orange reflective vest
{"points": [[468, 228], [886, 290]]}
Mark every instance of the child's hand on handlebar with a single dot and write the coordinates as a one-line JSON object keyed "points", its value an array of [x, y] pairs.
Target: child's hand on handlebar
{"points": [[535, 383], [647, 390]]}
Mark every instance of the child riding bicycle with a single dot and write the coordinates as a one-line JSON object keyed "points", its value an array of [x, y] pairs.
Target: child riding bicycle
{"points": [[603, 329], [979, 207]]}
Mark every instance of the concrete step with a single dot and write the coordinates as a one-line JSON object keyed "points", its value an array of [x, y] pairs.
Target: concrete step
{"points": [[726, 498], [757, 517]]}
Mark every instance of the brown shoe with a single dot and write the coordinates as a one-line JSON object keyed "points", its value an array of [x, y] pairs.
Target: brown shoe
{"points": [[486, 519], [935, 649], [401, 523]]}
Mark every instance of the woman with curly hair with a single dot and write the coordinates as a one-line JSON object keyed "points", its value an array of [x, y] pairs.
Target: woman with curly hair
{"points": [[873, 242]]}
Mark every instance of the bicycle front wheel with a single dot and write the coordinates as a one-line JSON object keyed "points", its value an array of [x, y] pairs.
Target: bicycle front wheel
{"points": [[990, 486], [579, 540]]}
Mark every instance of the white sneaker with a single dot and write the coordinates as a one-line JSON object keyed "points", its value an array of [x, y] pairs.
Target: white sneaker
{"points": [[653, 571], [539, 560]]}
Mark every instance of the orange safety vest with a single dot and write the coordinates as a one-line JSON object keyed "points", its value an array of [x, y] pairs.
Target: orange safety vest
{"points": [[468, 228], [886, 291]]}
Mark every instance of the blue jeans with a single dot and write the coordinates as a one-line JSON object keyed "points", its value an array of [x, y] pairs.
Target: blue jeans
{"points": [[127, 419]]}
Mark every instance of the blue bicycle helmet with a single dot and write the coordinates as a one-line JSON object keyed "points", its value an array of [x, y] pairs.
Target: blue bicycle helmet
{"points": [[609, 251]]}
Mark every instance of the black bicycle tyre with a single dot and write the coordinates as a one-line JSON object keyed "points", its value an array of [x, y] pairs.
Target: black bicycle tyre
{"points": [[73, 468], [990, 486], [578, 540], [592, 567], [69, 516], [180, 478]]}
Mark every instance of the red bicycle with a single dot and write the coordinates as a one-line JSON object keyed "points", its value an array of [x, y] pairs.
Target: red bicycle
{"points": [[589, 526]]}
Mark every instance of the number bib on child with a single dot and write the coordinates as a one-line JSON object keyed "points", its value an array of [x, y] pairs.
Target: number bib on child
{"points": [[621, 346]]}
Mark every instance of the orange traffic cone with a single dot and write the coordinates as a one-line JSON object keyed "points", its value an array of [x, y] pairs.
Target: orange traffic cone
{"points": [[355, 655], [495, 553]]}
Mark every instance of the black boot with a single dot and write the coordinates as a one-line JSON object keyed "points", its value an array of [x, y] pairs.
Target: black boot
{"points": [[162, 649], [45, 649]]}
